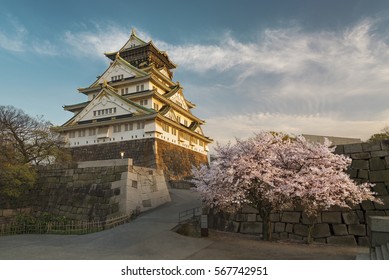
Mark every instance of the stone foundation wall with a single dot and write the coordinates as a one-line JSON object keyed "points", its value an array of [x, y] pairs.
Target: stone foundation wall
{"points": [[175, 161], [370, 163], [332, 227], [141, 151], [97, 190]]}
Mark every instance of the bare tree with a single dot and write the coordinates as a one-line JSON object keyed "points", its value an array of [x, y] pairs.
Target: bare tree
{"points": [[25, 139]]}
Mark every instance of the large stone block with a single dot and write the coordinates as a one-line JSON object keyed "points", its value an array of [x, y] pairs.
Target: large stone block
{"points": [[310, 220], [378, 223], [360, 164], [367, 205], [377, 164], [331, 217], [379, 176], [363, 174], [290, 217], [359, 230], [339, 150], [289, 228], [251, 217], [361, 156], [381, 189], [301, 230], [382, 153], [385, 202], [274, 217], [350, 218], [340, 229], [369, 147], [353, 148], [342, 240], [279, 227], [371, 213], [321, 230], [251, 227], [363, 241]]}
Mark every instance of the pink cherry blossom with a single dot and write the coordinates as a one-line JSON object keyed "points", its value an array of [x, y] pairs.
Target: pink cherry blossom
{"points": [[273, 172]]}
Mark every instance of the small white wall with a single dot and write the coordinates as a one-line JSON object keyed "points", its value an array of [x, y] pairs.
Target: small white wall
{"points": [[141, 188]]}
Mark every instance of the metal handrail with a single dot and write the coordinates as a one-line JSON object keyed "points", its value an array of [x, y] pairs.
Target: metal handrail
{"points": [[188, 214]]}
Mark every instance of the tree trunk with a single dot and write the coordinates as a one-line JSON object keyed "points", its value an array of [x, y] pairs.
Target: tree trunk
{"points": [[310, 228], [266, 227]]}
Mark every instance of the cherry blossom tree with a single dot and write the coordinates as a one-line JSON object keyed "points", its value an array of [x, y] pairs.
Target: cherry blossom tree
{"points": [[273, 172]]}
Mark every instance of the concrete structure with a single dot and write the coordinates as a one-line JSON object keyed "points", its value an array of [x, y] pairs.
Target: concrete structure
{"points": [[378, 231], [133, 106], [333, 139]]}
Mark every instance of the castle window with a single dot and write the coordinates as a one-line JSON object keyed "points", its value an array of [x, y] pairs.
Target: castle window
{"points": [[128, 126], [122, 91], [140, 125], [178, 119], [185, 123], [81, 133], [72, 134], [156, 106], [117, 78], [117, 128], [92, 131], [108, 111], [143, 102], [126, 90], [165, 127], [174, 131], [140, 88]]}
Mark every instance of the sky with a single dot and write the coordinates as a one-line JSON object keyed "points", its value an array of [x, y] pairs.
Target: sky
{"points": [[299, 67]]}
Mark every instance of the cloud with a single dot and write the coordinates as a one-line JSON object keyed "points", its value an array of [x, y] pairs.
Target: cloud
{"points": [[15, 37], [12, 34], [96, 39], [326, 78], [226, 128], [44, 48]]}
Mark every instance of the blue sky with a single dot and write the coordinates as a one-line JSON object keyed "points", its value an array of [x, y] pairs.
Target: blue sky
{"points": [[313, 67]]}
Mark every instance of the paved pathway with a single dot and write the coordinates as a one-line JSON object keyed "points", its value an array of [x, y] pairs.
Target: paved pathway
{"points": [[150, 237]]}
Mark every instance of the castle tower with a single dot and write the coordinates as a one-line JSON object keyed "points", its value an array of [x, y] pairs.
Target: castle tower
{"points": [[135, 110]]}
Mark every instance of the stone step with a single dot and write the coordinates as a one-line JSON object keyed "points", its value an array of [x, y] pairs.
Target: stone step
{"points": [[385, 251], [378, 253]]}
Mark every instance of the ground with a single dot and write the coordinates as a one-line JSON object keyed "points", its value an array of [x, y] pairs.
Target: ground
{"points": [[150, 237]]}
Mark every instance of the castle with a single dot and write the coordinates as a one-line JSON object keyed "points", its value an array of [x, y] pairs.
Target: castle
{"points": [[135, 110]]}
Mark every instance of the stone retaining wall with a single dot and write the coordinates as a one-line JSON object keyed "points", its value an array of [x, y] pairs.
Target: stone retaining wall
{"points": [[97, 190], [175, 161], [370, 163]]}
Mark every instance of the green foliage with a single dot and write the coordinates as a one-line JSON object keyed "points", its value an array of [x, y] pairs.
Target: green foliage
{"points": [[44, 219], [16, 179], [384, 135]]}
